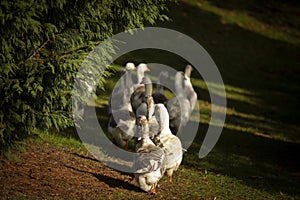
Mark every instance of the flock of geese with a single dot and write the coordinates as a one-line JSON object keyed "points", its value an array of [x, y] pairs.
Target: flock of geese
{"points": [[151, 121]]}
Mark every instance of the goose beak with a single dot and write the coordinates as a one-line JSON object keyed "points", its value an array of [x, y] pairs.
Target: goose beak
{"points": [[147, 69]]}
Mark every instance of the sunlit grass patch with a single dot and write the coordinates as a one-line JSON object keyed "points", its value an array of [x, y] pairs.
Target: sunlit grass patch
{"points": [[244, 20], [65, 139], [234, 93]]}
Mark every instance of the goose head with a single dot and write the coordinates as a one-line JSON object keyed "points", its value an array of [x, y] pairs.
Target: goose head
{"points": [[141, 121], [142, 128], [141, 69], [130, 66], [188, 71]]}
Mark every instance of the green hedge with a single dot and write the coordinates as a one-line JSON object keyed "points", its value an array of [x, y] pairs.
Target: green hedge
{"points": [[43, 43]]}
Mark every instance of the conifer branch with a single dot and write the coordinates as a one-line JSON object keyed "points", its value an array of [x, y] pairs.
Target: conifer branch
{"points": [[37, 50]]}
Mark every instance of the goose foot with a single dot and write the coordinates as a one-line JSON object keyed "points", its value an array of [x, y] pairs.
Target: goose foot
{"points": [[153, 191]]}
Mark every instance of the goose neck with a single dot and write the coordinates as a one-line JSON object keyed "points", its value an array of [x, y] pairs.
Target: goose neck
{"points": [[140, 75], [148, 89]]}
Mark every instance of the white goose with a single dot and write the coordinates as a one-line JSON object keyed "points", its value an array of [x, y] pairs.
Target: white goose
{"points": [[170, 143], [178, 107], [122, 120], [123, 90], [188, 87], [141, 69], [150, 162], [123, 130]]}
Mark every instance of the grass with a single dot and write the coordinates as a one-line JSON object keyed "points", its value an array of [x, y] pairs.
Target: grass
{"points": [[256, 47]]}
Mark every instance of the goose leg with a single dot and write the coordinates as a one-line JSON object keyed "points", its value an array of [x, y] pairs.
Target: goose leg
{"points": [[171, 179], [153, 191], [126, 145]]}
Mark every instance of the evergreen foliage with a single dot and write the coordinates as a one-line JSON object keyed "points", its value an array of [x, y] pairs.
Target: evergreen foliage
{"points": [[43, 44]]}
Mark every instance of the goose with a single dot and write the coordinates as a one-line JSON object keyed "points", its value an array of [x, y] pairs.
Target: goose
{"points": [[170, 143], [147, 107], [123, 130], [141, 69], [123, 89], [139, 88], [159, 96], [150, 162], [127, 80], [122, 120], [188, 87], [178, 107], [142, 92]]}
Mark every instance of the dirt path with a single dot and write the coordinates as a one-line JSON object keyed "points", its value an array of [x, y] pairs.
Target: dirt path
{"points": [[59, 173]]}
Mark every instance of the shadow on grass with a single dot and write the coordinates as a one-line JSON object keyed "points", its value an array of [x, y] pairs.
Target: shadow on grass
{"points": [[96, 160], [111, 181], [262, 163]]}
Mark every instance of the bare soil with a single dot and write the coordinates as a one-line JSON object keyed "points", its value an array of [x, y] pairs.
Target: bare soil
{"points": [[47, 172]]}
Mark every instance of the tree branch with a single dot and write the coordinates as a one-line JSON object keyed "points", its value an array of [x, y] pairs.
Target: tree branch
{"points": [[37, 50]]}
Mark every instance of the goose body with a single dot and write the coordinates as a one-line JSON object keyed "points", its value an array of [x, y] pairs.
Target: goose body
{"points": [[123, 90], [142, 92], [170, 143], [178, 107], [150, 162], [122, 128]]}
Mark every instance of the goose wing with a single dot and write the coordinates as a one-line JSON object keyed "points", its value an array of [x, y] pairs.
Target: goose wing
{"points": [[149, 159]]}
